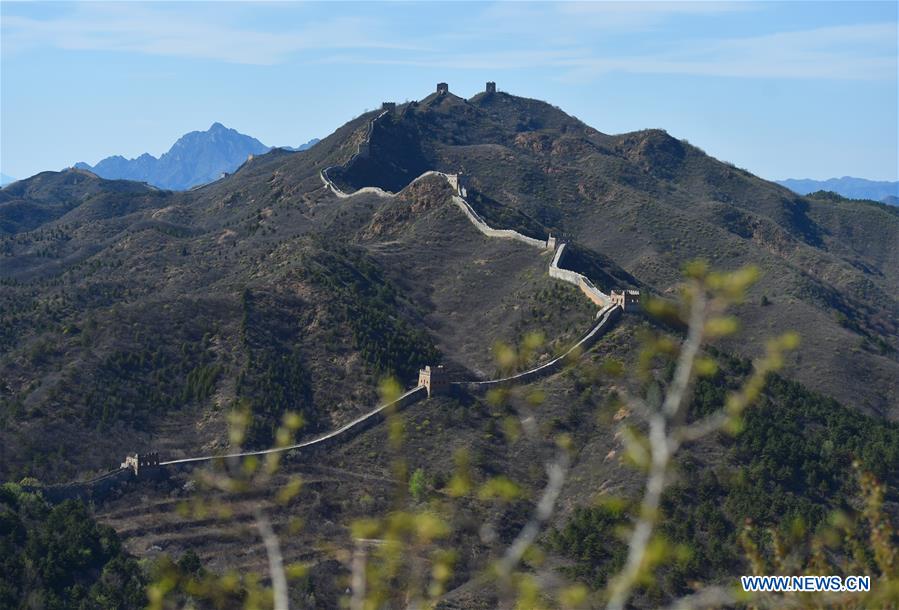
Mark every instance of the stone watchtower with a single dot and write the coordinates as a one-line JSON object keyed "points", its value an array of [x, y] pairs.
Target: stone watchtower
{"points": [[628, 300], [491, 87], [434, 379], [462, 185], [459, 184], [140, 463], [389, 106], [442, 88]]}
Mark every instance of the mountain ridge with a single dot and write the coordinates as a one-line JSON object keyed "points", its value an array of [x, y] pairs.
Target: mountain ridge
{"points": [[850, 187], [638, 205], [196, 158], [529, 160], [135, 319]]}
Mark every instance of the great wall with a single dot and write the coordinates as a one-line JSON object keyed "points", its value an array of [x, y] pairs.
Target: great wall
{"points": [[432, 379]]}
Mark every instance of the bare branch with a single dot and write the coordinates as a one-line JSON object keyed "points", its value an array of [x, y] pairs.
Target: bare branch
{"points": [[701, 428], [662, 447], [723, 597], [655, 485], [275, 560], [556, 471], [709, 597], [684, 371], [357, 602]]}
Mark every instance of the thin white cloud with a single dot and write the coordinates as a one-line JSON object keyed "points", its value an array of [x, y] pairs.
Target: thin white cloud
{"points": [[854, 52], [641, 15], [577, 39], [558, 20], [167, 31], [857, 52], [498, 60]]}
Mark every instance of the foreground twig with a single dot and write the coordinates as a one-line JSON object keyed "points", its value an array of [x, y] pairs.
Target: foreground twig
{"points": [[662, 447], [556, 471], [275, 560]]}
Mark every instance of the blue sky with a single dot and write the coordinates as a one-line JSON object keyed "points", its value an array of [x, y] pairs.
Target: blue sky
{"points": [[784, 89]]}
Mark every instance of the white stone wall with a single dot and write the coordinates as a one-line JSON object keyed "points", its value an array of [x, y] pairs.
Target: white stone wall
{"points": [[361, 150], [587, 287], [581, 281], [486, 229], [357, 425], [607, 316]]}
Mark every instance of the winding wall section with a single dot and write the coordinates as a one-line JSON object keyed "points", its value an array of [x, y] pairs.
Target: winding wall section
{"points": [[361, 423], [606, 316], [486, 229], [581, 281]]}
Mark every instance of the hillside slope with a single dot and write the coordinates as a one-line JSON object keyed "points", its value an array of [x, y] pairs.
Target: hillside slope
{"points": [[125, 307], [650, 203], [135, 319]]}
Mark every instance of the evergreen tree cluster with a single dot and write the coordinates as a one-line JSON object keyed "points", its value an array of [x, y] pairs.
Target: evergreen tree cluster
{"points": [[59, 558], [789, 467], [368, 303]]}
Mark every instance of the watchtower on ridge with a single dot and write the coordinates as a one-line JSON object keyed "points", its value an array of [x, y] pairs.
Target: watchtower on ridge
{"points": [[628, 300], [141, 462], [491, 87], [434, 379], [459, 184], [462, 185], [442, 88]]}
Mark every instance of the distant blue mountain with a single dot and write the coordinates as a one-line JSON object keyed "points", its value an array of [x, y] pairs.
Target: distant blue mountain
{"points": [[847, 186], [305, 146], [196, 158], [4, 179]]}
